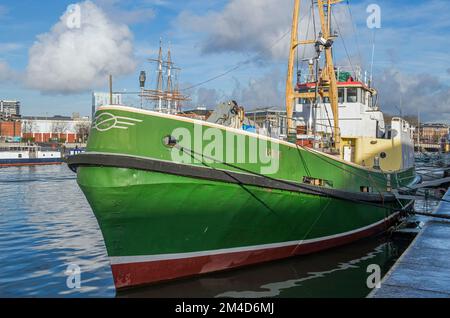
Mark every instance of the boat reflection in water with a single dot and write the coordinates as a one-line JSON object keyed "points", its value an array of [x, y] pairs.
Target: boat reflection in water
{"points": [[340, 272]]}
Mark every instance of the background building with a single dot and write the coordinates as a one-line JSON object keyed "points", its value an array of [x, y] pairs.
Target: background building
{"points": [[102, 99], [433, 133], [10, 125], [9, 108], [11, 128], [273, 120], [73, 129]]}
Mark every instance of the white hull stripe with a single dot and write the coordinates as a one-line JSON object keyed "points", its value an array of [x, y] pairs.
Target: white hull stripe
{"points": [[117, 260]]}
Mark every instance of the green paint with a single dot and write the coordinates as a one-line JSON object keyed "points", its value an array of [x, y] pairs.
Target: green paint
{"points": [[149, 213]]}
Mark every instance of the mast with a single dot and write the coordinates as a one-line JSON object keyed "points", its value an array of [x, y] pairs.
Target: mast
{"points": [[290, 93], [167, 95], [169, 80], [159, 80], [327, 83], [330, 76]]}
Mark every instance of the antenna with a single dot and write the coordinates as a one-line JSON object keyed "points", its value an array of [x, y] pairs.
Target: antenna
{"points": [[110, 89], [373, 56], [418, 130]]}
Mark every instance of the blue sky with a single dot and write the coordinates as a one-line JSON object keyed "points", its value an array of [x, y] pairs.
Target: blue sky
{"points": [[209, 37]]}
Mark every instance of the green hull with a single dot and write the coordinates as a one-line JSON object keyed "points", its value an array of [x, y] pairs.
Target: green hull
{"points": [[163, 219]]}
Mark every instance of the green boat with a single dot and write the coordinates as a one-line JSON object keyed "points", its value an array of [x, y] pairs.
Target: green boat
{"points": [[177, 197]]}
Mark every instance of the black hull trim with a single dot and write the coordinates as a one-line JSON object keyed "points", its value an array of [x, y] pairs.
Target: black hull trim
{"points": [[199, 172]]}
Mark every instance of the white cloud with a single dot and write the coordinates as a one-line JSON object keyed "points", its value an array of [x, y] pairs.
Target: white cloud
{"points": [[416, 92], [73, 60], [209, 97], [266, 91], [243, 25], [262, 91], [6, 73], [261, 26]]}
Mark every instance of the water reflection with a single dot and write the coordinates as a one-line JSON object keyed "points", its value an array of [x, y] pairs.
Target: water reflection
{"points": [[338, 272], [47, 224]]}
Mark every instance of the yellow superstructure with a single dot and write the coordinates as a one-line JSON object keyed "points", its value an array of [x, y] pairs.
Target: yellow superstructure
{"points": [[365, 150]]}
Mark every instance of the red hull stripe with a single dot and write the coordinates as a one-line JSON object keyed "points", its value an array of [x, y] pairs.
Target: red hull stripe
{"points": [[128, 275]]}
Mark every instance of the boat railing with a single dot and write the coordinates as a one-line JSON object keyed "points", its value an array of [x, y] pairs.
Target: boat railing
{"points": [[19, 147], [321, 138]]}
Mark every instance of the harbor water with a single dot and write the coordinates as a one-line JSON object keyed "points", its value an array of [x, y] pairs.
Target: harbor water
{"points": [[48, 233]]}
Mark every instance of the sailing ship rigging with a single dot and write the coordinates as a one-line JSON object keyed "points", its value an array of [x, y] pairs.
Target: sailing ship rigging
{"points": [[167, 96]]}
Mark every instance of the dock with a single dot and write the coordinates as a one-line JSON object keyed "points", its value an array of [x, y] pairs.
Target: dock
{"points": [[423, 271]]}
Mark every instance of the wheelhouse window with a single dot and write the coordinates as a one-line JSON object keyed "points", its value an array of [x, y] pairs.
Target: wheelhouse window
{"points": [[341, 95], [352, 95], [370, 100]]}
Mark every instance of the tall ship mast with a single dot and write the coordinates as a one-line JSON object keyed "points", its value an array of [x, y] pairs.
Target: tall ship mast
{"points": [[176, 197], [166, 96]]}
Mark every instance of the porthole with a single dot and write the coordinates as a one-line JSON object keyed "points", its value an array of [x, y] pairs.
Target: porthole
{"points": [[383, 155]]}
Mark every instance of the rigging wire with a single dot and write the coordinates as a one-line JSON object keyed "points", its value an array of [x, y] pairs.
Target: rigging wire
{"points": [[373, 57], [354, 30], [299, 186], [191, 153], [242, 63], [315, 191], [311, 14], [368, 178], [237, 66], [343, 42]]}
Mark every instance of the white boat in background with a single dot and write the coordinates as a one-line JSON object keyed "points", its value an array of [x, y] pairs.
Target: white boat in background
{"points": [[28, 155]]}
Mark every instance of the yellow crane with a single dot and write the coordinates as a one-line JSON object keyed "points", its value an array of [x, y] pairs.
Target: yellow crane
{"points": [[326, 83]]}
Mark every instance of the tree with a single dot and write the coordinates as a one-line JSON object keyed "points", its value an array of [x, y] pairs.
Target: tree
{"points": [[29, 127], [59, 127], [82, 129]]}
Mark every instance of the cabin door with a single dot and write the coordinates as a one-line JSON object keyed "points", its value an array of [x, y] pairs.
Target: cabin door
{"points": [[348, 153]]}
